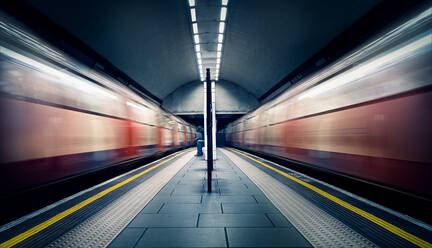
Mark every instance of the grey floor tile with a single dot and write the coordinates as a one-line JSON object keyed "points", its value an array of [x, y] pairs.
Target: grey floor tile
{"points": [[177, 199], [195, 181], [127, 238], [194, 190], [164, 220], [244, 208], [233, 220], [152, 207], [261, 198], [265, 237], [191, 208], [183, 237], [166, 190], [229, 198], [279, 220]]}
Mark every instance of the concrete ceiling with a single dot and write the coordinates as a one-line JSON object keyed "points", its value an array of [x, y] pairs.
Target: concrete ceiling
{"points": [[152, 42]]}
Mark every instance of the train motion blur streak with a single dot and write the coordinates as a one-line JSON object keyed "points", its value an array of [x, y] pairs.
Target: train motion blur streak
{"points": [[368, 115], [60, 118]]}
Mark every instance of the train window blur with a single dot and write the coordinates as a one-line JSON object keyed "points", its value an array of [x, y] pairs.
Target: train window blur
{"points": [[386, 71], [141, 113], [53, 85]]}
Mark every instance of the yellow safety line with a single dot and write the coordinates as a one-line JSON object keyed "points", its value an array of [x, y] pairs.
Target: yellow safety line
{"points": [[32, 231], [394, 229]]}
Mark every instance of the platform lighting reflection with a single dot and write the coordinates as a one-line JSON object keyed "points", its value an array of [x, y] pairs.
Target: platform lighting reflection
{"points": [[220, 38], [218, 61], [224, 2], [192, 3], [218, 55], [196, 39], [198, 55], [197, 48], [199, 61]]}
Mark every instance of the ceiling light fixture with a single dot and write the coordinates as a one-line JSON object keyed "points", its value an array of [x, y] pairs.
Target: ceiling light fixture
{"points": [[219, 47], [195, 28], [207, 60], [223, 13], [193, 15], [221, 27]]}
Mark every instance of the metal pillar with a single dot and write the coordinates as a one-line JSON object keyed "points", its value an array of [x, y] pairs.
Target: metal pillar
{"points": [[209, 133]]}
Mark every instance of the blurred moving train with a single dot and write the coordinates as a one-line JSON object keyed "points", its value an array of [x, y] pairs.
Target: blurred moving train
{"points": [[60, 118], [368, 115]]}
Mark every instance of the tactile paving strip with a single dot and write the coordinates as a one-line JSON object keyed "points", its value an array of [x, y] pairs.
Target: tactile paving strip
{"points": [[318, 227], [100, 229]]}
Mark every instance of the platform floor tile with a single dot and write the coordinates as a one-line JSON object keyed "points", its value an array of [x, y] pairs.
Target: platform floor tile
{"points": [[279, 220], [171, 208], [245, 208], [164, 220], [184, 214], [229, 198], [128, 237], [265, 237], [183, 237], [178, 199], [152, 207], [234, 220]]}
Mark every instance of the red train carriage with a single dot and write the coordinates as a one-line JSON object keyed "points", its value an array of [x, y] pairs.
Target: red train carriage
{"points": [[60, 119], [369, 115]]}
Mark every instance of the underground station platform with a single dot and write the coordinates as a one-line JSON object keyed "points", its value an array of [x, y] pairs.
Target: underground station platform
{"points": [[253, 203]]}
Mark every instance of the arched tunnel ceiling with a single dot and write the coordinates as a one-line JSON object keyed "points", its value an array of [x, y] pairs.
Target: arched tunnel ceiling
{"points": [[151, 41]]}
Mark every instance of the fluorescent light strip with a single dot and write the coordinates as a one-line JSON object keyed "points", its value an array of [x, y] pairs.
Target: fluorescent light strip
{"points": [[193, 14], [219, 47], [223, 13], [220, 38], [221, 27], [195, 28]]}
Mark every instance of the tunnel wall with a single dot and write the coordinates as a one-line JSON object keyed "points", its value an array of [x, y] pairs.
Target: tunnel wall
{"points": [[230, 99]]}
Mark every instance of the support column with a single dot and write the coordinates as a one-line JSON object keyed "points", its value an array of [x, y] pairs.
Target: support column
{"points": [[213, 87], [209, 145]]}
